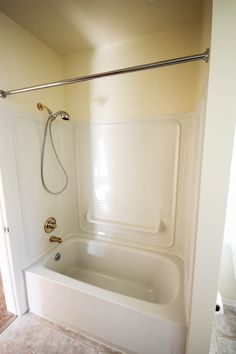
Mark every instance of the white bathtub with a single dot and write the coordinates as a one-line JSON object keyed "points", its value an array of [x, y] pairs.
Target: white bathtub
{"points": [[121, 295]]}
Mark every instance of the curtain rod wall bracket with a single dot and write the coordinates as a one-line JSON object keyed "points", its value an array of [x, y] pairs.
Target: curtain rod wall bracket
{"points": [[159, 64], [206, 55], [3, 94]]}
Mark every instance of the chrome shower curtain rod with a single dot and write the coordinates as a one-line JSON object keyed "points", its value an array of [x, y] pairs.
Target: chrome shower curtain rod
{"points": [[203, 56]]}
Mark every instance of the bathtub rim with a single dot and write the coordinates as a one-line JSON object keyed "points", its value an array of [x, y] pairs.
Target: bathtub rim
{"points": [[170, 252]]}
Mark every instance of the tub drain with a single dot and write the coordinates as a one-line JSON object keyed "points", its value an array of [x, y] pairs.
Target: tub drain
{"points": [[57, 256]]}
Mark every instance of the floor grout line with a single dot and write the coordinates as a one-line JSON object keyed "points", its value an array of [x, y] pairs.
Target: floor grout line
{"points": [[49, 328]]}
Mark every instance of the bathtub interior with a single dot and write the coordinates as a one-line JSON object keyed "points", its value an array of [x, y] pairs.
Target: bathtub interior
{"points": [[124, 270], [134, 325]]}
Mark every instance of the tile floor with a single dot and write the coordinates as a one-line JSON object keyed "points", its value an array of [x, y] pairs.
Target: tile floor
{"points": [[224, 332], [33, 334]]}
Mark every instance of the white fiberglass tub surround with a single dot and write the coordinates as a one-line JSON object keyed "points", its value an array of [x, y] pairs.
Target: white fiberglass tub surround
{"points": [[129, 297], [108, 285]]}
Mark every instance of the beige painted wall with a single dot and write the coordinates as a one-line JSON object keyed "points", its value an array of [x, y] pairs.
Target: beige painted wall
{"points": [[217, 152], [166, 90], [206, 22], [26, 61]]}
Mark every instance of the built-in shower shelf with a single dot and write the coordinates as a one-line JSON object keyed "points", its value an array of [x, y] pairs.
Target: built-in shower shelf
{"points": [[115, 223]]}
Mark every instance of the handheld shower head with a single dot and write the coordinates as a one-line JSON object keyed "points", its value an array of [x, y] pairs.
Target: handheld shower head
{"points": [[48, 128], [64, 115]]}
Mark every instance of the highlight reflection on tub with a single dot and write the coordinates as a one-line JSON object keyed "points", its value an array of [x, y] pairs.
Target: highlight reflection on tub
{"points": [[130, 297]]}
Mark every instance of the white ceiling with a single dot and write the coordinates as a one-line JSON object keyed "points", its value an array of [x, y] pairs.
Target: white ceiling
{"points": [[69, 26]]}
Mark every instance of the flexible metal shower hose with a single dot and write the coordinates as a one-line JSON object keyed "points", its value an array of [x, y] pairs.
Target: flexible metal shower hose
{"points": [[49, 127]]}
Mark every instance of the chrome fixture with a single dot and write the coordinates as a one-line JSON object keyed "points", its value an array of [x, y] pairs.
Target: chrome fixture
{"points": [[158, 64], [65, 116], [50, 225], [57, 256], [55, 239]]}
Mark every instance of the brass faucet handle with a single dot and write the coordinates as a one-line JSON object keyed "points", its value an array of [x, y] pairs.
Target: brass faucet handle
{"points": [[50, 224]]}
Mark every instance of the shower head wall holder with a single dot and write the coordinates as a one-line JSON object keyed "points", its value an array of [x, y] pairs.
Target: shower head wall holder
{"points": [[3, 94], [41, 106]]}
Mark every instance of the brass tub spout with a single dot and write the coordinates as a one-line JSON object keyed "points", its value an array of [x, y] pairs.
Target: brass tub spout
{"points": [[55, 239]]}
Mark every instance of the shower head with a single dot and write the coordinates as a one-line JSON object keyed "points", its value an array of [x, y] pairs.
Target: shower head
{"points": [[64, 115]]}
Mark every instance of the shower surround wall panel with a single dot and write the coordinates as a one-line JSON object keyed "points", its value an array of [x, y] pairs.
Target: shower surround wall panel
{"points": [[156, 156], [131, 180], [127, 180], [188, 194], [137, 181], [28, 204], [37, 204], [33, 195]]}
